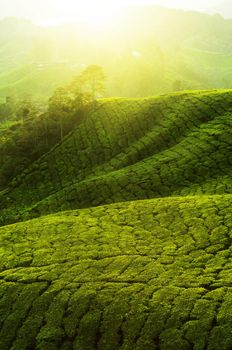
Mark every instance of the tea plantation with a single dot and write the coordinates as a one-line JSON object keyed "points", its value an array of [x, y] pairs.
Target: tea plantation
{"points": [[136, 252]]}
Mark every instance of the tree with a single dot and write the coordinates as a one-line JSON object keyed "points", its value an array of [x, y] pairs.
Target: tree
{"points": [[26, 109], [75, 98], [60, 105], [177, 85], [93, 81], [7, 109]]}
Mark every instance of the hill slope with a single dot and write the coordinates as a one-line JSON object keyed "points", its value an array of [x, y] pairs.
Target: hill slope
{"points": [[150, 274], [154, 274], [131, 149]]}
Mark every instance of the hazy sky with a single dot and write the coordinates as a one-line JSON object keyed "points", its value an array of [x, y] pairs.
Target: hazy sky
{"points": [[64, 9]]}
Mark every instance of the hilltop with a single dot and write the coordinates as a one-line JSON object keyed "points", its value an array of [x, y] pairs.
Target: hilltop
{"points": [[136, 251]]}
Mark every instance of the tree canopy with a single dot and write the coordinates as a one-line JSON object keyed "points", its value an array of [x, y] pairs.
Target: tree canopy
{"points": [[77, 96]]}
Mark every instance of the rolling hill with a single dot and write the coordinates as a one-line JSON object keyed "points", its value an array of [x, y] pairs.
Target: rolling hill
{"points": [[136, 251], [153, 274], [130, 149]]}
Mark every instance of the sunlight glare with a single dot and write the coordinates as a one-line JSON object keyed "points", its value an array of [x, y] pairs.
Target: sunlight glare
{"points": [[136, 54], [96, 15]]}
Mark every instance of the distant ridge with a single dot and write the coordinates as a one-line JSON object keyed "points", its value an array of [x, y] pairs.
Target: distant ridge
{"points": [[224, 8], [192, 52]]}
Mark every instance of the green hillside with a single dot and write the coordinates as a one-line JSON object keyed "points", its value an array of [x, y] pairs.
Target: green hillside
{"points": [[173, 145], [136, 251], [32, 77], [153, 274]]}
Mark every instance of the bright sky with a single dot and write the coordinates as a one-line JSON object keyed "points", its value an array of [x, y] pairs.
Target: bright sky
{"points": [[58, 10]]}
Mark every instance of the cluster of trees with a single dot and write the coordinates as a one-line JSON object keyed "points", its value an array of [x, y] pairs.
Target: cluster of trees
{"points": [[34, 132], [14, 109], [78, 96]]}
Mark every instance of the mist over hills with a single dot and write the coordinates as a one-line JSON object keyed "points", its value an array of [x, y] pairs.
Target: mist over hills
{"points": [[224, 8], [164, 49]]}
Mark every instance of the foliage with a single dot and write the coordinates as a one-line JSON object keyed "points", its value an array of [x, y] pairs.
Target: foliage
{"points": [[148, 274], [76, 97], [26, 109], [25, 141], [126, 149], [36, 132], [92, 80]]}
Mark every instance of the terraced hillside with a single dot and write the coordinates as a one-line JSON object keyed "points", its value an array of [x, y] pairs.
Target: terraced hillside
{"points": [[131, 149], [151, 271], [153, 274]]}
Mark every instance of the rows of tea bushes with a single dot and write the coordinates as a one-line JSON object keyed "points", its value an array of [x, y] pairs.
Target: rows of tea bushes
{"points": [[153, 274], [173, 145]]}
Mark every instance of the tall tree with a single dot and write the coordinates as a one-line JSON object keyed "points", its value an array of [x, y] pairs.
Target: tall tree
{"points": [[26, 109], [75, 98], [59, 105], [93, 81]]}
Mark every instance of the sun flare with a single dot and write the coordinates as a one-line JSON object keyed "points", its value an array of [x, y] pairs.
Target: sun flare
{"points": [[97, 15]]}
